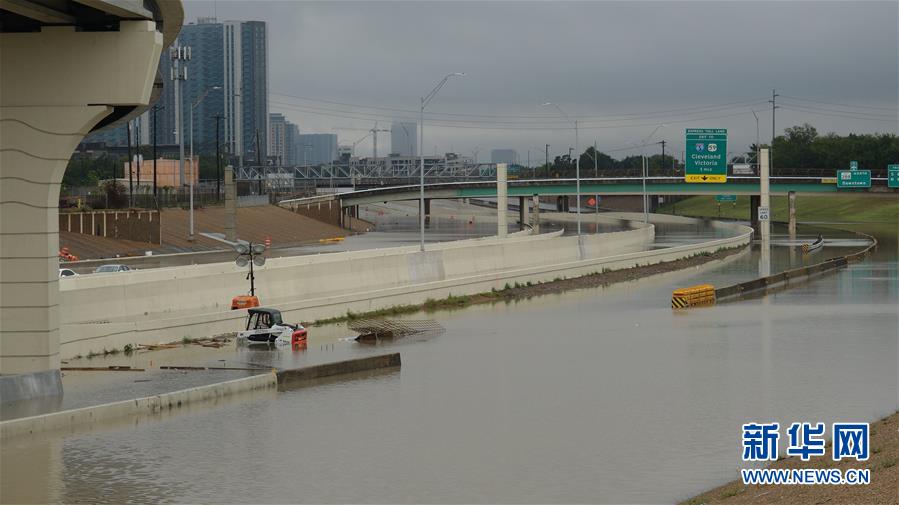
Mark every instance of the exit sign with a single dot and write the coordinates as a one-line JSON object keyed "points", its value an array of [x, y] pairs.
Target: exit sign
{"points": [[893, 176], [854, 179]]}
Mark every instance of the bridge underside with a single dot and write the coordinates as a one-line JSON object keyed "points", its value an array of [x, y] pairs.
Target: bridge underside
{"points": [[68, 69], [602, 189]]}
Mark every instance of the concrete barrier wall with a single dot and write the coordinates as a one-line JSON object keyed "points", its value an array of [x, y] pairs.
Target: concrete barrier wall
{"points": [[112, 310], [785, 279], [75, 418]]}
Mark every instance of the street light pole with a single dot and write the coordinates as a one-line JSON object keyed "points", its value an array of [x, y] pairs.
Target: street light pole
{"points": [[425, 100], [596, 176], [577, 166], [757, 137]]}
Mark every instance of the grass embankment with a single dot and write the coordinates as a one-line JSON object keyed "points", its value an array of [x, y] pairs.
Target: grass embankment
{"points": [[518, 291], [883, 461], [839, 208]]}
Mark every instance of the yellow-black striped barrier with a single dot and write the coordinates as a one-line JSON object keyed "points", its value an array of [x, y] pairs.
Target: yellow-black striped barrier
{"points": [[694, 296]]}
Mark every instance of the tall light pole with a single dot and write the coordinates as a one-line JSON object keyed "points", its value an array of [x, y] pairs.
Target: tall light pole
{"points": [[645, 168], [425, 100], [193, 106], [577, 165], [757, 137]]}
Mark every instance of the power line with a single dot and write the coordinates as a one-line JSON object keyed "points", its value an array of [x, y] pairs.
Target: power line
{"points": [[478, 123], [795, 108], [858, 113], [433, 115], [522, 126], [839, 104]]}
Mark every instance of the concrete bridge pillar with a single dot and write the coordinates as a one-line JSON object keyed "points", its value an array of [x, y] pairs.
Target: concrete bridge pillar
{"points": [[522, 212], [427, 210], [791, 198], [52, 82], [754, 202], [535, 213], [502, 198]]}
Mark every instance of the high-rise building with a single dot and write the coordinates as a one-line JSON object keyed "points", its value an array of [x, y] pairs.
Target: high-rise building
{"points": [[292, 148], [232, 56], [317, 148], [404, 139], [509, 156], [277, 138], [246, 87]]}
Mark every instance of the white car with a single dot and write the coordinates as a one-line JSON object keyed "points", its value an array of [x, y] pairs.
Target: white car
{"points": [[112, 268], [67, 272]]}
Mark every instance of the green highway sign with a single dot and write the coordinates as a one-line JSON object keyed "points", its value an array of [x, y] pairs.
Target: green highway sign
{"points": [[706, 155], [853, 179], [893, 176], [853, 165], [725, 198]]}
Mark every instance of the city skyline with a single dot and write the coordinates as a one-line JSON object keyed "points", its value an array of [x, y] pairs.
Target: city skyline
{"points": [[619, 99]]}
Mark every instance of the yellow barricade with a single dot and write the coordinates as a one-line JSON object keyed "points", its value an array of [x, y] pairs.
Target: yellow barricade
{"points": [[703, 294]]}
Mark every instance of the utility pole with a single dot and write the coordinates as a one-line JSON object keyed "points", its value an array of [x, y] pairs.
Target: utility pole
{"points": [[547, 161], [179, 73], [137, 150], [663, 155], [773, 131], [218, 159], [155, 109], [258, 161], [130, 184]]}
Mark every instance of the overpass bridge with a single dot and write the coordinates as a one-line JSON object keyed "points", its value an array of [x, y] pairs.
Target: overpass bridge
{"points": [[341, 208], [655, 186]]}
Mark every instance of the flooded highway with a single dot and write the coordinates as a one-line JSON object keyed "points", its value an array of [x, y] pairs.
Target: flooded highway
{"points": [[600, 395]]}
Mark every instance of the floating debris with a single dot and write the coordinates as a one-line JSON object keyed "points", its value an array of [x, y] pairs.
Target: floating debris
{"points": [[377, 329]]}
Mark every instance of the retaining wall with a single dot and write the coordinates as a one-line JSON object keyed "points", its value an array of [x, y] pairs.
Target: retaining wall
{"points": [[166, 304]]}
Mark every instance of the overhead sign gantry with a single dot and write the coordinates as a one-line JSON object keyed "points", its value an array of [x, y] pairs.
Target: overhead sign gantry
{"points": [[706, 158]]}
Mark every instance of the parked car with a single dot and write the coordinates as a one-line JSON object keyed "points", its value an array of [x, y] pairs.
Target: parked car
{"points": [[67, 272], [112, 268]]}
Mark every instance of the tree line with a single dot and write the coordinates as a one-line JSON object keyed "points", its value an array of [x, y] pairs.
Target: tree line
{"points": [[800, 147]]}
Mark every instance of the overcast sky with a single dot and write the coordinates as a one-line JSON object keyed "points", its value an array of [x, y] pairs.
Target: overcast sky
{"points": [[620, 68]]}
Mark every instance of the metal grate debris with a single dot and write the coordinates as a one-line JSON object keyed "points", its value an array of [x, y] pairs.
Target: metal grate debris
{"points": [[385, 328]]}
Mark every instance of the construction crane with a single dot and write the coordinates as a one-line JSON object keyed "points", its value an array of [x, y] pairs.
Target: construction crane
{"points": [[373, 132]]}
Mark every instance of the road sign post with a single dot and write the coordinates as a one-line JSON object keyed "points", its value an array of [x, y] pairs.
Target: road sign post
{"points": [[893, 176], [706, 155]]}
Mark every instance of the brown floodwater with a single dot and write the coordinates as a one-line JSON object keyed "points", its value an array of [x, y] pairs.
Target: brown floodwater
{"points": [[600, 395]]}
